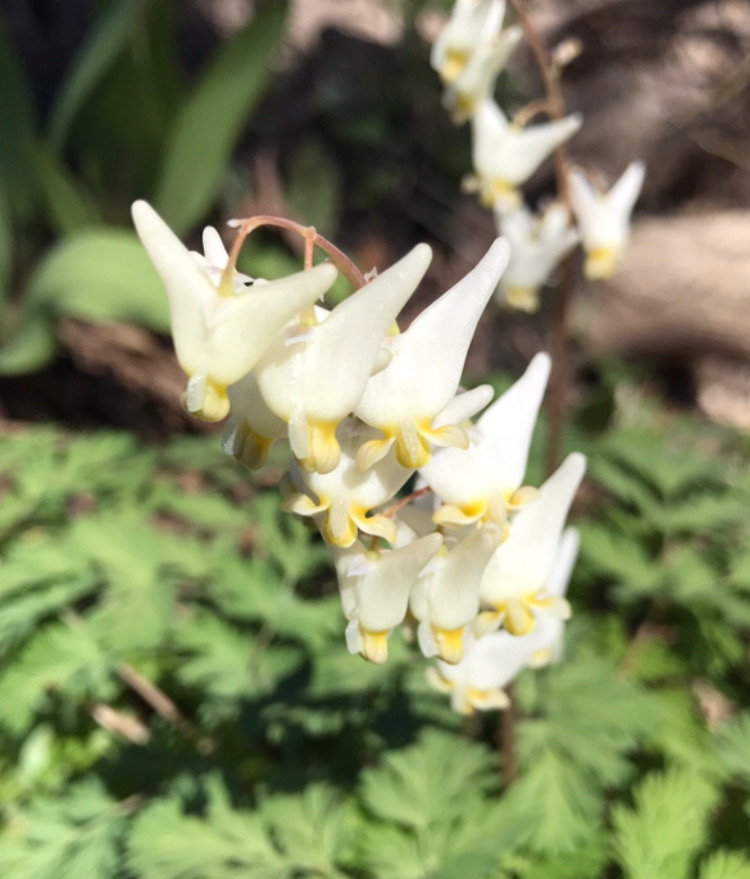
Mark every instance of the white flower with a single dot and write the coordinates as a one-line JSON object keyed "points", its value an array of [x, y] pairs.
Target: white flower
{"points": [[214, 260], [341, 500], [489, 664], [252, 427], [518, 575], [445, 598], [472, 22], [315, 380], [220, 334], [537, 245], [476, 81], [557, 585], [374, 589], [604, 218], [404, 399], [483, 482], [506, 155]]}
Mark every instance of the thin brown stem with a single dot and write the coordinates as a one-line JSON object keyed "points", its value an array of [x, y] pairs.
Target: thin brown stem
{"points": [[403, 501], [549, 72], [122, 724], [156, 698], [532, 109], [309, 246], [338, 257], [506, 735]]}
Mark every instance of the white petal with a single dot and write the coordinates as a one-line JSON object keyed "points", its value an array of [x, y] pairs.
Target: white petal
{"points": [[464, 405], [213, 248], [426, 368], [507, 426], [524, 562], [383, 594], [567, 552], [624, 194]]}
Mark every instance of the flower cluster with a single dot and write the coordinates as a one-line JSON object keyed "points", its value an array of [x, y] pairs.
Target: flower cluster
{"points": [[473, 563], [468, 55]]}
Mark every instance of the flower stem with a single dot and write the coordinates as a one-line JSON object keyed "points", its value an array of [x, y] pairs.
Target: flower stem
{"points": [[560, 349], [338, 257]]}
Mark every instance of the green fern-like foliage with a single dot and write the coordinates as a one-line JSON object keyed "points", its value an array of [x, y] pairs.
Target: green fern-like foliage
{"points": [[176, 701]]}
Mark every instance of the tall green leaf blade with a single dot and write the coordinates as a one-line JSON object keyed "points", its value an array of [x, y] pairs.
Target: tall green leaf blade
{"points": [[107, 39], [213, 117], [68, 206], [16, 174]]}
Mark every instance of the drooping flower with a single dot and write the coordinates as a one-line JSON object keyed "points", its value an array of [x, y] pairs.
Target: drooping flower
{"points": [[557, 585], [314, 380], [476, 81], [445, 598], [484, 482], [374, 589], [517, 577], [489, 664], [604, 218], [405, 398], [506, 155], [220, 333], [472, 22], [537, 245], [252, 427], [340, 501]]}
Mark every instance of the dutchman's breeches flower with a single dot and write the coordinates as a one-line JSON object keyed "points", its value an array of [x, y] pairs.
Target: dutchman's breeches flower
{"points": [[252, 427], [506, 155], [490, 664], [314, 379], [445, 598], [517, 577], [404, 399], [341, 500], [472, 23], [604, 218], [220, 334], [557, 585], [484, 482], [476, 79], [374, 588], [537, 245]]}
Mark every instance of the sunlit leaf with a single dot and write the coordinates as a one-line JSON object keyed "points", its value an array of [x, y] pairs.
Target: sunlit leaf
{"points": [[212, 119]]}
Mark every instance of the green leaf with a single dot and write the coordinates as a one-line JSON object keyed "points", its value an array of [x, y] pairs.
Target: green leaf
{"points": [[69, 838], [313, 190], [428, 783], [6, 246], [16, 174], [228, 663], [733, 747], [225, 844], [57, 658], [32, 346], [211, 120], [666, 828], [725, 865], [101, 275], [556, 804], [68, 206], [105, 41], [622, 557], [314, 830]]}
